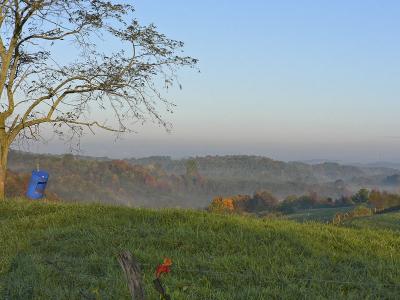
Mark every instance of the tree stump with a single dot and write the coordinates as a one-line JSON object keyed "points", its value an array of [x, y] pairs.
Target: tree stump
{"points": [[132, 272]]}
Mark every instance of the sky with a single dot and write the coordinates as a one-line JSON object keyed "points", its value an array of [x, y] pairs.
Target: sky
{"points": [[291, 80]]}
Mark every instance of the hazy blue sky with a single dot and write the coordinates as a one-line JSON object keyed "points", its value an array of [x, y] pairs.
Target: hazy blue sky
{"points": [[287, 79]]}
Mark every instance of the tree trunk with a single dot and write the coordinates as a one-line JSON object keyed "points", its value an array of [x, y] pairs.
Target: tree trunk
{"points": [[132, 272], [2, 183], [4, 148]]}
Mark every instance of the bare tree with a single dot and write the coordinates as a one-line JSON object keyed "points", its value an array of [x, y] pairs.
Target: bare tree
{"points": [[39, 86]]}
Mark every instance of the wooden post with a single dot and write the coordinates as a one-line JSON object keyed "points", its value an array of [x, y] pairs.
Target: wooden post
{"points": [[160, 288], [132, 272]]}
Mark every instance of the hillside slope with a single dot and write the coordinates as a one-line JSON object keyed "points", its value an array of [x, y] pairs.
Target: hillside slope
{"points": [[68, 251]]}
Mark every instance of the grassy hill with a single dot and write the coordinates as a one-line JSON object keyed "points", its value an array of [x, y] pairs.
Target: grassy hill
{"points": [[318, 214], [389, 221], [385, 221], [68, 251]]}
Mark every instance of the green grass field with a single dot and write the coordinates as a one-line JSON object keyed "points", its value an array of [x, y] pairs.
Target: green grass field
{"points": [[318, 214], [388, 221], [68, 251]]}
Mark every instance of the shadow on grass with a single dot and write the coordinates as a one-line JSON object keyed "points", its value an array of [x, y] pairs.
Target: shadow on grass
{"points": [[20, 280], [60, 267]]}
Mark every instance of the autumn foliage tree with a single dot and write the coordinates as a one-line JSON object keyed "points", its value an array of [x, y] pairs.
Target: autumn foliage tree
{"points": [[383, 200], [38, 87], [261, 200]]}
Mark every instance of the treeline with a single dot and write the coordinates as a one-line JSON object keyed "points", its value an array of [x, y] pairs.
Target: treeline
{"points": [[264, 201], [383, 200]]}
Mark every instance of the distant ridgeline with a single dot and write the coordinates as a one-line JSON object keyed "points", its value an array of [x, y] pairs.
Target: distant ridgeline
{"points": [[265, 169], [192, 182]]}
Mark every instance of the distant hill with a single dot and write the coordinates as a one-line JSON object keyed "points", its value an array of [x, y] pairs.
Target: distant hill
{"points": [[161, 181], [381, 164], [265, 169]]}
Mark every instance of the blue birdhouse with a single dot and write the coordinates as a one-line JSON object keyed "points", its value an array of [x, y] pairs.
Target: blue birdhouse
{"points": [[37, 184]]}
